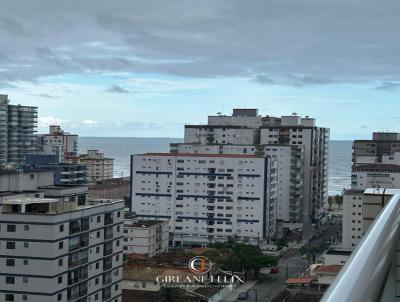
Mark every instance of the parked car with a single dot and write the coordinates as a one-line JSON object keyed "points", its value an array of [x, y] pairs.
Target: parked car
{"points": [[274, 270], [243, 296]]}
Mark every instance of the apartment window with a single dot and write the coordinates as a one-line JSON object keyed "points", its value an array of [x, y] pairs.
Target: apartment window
{"points": [[98, 234], [10, 262], [61, 228], [26, 227], [98, 219], [24, 297], [61, 245], [11, 227], [25, 280], [59, 297], [26, 244], [26, 262], [10, 245], [60, 262], [59, 280], [96, 281], [10, 280], [9, 297]]}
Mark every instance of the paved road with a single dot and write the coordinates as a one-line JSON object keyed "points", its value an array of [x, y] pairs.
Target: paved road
{"points": [[290, 265]]}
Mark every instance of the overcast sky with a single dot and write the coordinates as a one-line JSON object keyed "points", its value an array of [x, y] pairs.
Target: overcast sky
{"points": [[146, 68]]}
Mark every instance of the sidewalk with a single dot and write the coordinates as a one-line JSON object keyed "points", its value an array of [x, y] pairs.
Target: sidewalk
{"points": [[243, 288]]}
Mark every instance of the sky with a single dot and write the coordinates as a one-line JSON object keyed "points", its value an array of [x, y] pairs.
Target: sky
{"points": [[147, 68]]}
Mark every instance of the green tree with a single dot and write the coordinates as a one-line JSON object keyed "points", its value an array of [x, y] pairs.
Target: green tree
{"points": [[281, 243], [171, 294], [331, 199], [339, 200]]}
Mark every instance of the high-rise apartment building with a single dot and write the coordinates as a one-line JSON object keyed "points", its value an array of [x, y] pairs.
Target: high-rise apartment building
{"points": [[207, 197], [376, 164], [246, 127], [59, 142], [17, 131], [54, 250], [98, 167]]}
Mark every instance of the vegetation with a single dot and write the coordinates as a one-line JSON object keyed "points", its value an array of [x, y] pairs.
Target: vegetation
{"points": [[337, 199], [240, 257], [171, 294], [312, 250], [281, 243]]}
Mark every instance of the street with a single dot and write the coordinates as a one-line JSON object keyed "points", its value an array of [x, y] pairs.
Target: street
{"points": [[291, 265]]}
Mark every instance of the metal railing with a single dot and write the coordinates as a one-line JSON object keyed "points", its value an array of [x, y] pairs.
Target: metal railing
{"points": [[369, 271]]}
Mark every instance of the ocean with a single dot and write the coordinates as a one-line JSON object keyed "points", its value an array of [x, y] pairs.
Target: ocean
{"points": [[120, 148]]}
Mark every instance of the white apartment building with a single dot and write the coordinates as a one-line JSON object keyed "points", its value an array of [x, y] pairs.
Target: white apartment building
{"points": [[145, 237], [98, 167], [375, 175], [52, 250], [207, 197], [376, 164], [246, 127], [352, 222], [297, 131], [290, 173], [59, 142]]}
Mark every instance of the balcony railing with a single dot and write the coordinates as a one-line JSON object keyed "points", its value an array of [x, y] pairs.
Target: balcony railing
{"points": [[369, 274]]}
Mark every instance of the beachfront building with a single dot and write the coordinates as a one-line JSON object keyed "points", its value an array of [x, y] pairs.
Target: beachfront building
{"points": [[290, 166], [376, 164], [246, 127], [98, 166], [54, 250], [58, 142], [207, 197], [17, 131]]}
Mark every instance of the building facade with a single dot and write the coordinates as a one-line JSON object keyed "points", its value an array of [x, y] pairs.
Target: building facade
{"points": [[17, 134], [54, 250], [246, 127], [207, 197], [117, 188], [98, 167], [58, 142], [145, 237], [64, 173], [376, 165]]}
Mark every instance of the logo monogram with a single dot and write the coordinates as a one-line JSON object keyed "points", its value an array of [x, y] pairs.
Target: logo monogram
{"points": [[200, 265]]}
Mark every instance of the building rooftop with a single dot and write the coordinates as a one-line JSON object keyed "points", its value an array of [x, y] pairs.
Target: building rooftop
{"points": [[377, 166], [145, 223], [48, 206], [339, 252], [353, 191], [304, 280], [202, 155], [334, 268]]}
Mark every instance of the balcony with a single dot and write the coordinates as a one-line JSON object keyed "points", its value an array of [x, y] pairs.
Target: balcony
{"points": [[370, 273]]}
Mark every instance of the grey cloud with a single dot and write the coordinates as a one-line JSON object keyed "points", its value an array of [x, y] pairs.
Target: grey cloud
{"points": [[271, 42], [117, 89], [264, 79], [388, 86], [46, 95]]}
